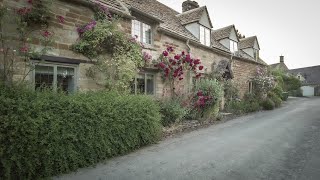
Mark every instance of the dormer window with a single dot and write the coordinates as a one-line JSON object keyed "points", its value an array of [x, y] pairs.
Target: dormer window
{"points": [[256, 54], [141, 31], [205, 36], [233, 46]]}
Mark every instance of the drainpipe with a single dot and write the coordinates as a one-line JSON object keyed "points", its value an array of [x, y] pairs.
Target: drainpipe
{"points": [[188, 74]]}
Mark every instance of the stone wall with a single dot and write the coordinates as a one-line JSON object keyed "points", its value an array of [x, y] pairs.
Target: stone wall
{"points": [[76, 14]]}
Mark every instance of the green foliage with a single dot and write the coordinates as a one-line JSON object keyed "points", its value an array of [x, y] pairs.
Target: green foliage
{"points": [[231, 92], [40, 13], [268, 104], [213, 89], [250, 103], [279, 92], [43, 134], [171, 111], [296, 93], [275, 98], [117, 57], [285, 81]]}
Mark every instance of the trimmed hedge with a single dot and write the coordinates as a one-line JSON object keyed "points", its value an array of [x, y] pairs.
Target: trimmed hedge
{"points": [[43, 134]]}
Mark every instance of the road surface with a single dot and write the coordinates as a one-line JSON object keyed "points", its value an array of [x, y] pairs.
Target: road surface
{"points": [[280, 144]]}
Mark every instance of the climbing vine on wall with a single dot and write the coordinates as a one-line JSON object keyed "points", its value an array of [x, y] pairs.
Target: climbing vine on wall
{"points": [[117, 57]]}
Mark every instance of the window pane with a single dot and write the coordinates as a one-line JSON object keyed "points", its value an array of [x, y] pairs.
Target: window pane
{"points": [[66, 79], [202, 35], [43, 77], [207, 32], [136, 29], [150, 84], [235, 46], [141, 84], [146, 34]]}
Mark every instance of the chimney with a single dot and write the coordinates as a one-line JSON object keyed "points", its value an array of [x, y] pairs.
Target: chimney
{"points": [[281, 59], [189, 5]]}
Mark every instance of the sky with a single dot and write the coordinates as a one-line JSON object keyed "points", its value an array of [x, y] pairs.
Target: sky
{"points": [[283, 27]]}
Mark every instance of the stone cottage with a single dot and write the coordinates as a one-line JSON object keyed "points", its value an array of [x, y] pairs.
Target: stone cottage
{"points": [[157, 26]]}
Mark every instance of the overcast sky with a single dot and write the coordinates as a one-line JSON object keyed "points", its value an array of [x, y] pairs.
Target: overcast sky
{"points": [[284, 27]]}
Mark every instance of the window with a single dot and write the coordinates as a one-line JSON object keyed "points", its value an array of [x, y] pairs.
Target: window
{"points": [[55, 77], [142, 31], [233, 46], [143, 84], [256, 54], [250, 87], [205, 37]]}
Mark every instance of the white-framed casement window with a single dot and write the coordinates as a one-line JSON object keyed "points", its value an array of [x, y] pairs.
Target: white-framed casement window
{"points": [[144, 83], [256, 54], [142, 31], [233, 46], [55, 76], [205, 36]]}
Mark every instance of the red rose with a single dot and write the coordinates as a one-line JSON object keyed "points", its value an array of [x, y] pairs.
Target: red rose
{"points": [[165, 53], [200, 68]]}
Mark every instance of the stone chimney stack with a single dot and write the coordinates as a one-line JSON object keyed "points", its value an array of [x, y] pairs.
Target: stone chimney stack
{"points": [[189, 5], [281, 59]]}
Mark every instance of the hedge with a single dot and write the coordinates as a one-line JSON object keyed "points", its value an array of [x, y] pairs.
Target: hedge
{"points": [[44, 134]]}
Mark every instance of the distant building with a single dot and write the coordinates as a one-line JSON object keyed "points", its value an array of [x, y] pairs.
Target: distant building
{"points": [[280, 66], [310, 78]]}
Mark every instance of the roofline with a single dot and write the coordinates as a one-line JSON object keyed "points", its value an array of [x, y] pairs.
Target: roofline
{"points": [[220, 51], [147, 15], [305, 67], [234, 28], [205, 7], [252, 37]]}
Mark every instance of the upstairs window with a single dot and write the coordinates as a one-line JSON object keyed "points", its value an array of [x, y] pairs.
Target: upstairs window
{"points": [[256, 54], [205, 37], [233, 46], [142, 31]]}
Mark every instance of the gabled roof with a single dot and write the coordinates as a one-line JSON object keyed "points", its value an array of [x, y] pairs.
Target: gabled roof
{"points": [[164, 13], [281, 66], [248, 42], [193, 15], [311, 74], [114, 5], [169, 22], [223, 33]]}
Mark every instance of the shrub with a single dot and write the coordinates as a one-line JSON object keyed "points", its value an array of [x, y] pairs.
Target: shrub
{"points": [[250, 103], [171, 111], [268, 104], [277, 100], [212, 89], [279, 92], [43, 134], [296, 93], [285, 96]]}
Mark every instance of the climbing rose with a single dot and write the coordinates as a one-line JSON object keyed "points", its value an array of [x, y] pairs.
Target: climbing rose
{"points": [[24, 49], [200, 93], [30, 1], [23, 11], [200, 68], [165, 53], [170, 49], [61, 19], [46, 34]]}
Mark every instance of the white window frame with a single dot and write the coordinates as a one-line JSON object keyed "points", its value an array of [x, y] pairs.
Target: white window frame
{"points": [[256, 54], [145, 82], [205, 36], [233, 46], [141, 26], [55, 71]]}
